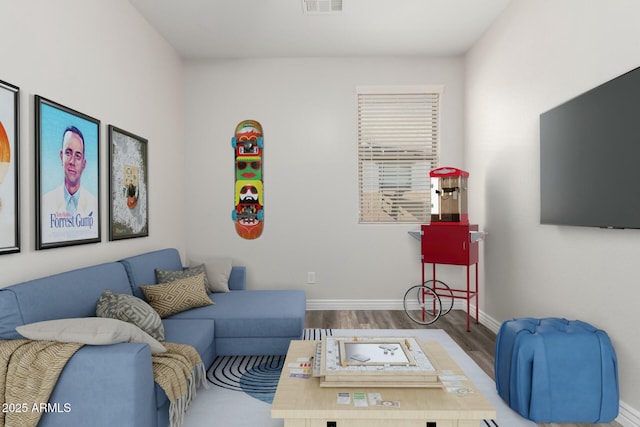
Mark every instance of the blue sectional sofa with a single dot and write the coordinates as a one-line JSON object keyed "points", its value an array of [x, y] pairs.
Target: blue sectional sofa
{"points": [[113, 384]]}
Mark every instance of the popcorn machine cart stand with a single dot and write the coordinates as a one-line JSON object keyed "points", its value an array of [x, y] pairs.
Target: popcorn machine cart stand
{"points": [[449, 238]]}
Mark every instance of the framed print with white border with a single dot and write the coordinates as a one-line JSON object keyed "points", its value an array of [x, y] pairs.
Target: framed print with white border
{"points": [[9, 169]]}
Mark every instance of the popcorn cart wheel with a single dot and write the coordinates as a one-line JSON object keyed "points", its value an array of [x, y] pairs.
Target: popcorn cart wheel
{"points": [[422, 304], [444, 293]]}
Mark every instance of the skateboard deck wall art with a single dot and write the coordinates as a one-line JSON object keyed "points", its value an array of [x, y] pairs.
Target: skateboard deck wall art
{"points": [[248, 214]]}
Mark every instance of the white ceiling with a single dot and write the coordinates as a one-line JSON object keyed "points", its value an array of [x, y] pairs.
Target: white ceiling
{"points": [[205, 29]]}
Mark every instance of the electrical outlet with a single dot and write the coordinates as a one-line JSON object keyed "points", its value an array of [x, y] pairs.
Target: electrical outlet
{"points": [[311, 277]]}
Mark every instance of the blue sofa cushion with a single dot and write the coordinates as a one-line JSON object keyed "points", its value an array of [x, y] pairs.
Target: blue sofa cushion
{"points": [[141, 269], [49, 298], [197, 333], [258, 313]]}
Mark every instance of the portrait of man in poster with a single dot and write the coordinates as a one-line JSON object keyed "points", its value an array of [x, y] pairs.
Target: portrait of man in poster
{"points": [[70, 196], [69, 207]]}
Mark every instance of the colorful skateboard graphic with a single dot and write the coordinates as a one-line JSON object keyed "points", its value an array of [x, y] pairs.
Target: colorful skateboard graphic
{"points": [[248, 213]]}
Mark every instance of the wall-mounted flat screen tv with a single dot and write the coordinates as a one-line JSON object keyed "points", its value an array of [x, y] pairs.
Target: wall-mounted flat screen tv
{"points": [[590, 157]]}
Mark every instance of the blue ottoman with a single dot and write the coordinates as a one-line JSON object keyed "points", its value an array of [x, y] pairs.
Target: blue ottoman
{"points": [[557, 371]]}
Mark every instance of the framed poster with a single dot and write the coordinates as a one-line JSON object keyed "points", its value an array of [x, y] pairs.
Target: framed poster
{"points": [[128, 185], [68, 176], [9, 165]]}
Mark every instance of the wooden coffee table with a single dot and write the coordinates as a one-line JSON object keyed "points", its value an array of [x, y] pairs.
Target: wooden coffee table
{"points": [[301, 402]]}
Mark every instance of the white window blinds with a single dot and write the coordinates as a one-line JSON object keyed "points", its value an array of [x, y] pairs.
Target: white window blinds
{"points": [[397, 147]]}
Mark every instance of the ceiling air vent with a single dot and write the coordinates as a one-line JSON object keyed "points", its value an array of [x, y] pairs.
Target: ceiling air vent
{"points": [[320, 7]]}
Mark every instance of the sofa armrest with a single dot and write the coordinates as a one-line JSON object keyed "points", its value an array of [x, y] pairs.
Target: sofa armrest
{"points": [[110, 385], [238, 278]]}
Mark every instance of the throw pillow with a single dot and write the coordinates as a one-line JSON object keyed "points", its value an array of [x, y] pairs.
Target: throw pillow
{"points": [[89, 330], [165, 276], [131, 309], [218, 272], [179, 295]]}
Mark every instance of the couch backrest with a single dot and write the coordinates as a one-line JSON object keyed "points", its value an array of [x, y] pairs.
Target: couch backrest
{"points": [[70, 294], [75, 293], [141, 269]]}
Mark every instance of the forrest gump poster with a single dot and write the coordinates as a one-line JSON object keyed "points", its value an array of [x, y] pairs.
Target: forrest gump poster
{"points": [[68, 163]]}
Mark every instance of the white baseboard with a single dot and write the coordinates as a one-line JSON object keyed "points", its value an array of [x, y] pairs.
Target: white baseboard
{"points": [[354, 304], [628, 416]]}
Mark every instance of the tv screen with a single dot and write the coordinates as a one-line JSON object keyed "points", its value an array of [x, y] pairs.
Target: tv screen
{"points": [[590, 157]]}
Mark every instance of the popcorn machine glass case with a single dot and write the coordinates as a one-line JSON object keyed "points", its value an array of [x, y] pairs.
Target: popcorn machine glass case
{"points": [[449, 196]]}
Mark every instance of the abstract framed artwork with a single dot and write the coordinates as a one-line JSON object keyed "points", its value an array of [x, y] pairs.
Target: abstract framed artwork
{"points": [[128, 185], [9, 165], [67, 176]]}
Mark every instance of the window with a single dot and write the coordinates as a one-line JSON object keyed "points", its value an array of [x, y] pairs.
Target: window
{"points": [[397, 147]]}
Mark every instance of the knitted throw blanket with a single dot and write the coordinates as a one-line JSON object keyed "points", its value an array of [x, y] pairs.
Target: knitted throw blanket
{"points": [[28, 372], [30, 369], [179, 372]]}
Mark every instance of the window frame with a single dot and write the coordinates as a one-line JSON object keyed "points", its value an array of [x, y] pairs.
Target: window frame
{"points": [[398, 143]]}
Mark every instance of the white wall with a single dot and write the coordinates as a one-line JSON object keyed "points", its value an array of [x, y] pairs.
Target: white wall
{"points": [[308, 111], [101, 58], [538, 55]]}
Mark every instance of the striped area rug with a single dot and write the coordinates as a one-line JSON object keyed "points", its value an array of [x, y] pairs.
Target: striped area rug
{"points": [[255, 375]]}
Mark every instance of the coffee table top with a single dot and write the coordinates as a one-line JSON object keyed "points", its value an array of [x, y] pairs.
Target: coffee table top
{"points": [[303, 398]]}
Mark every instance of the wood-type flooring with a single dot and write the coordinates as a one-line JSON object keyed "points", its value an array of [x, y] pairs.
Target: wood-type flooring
{"points": [[479, 343]]}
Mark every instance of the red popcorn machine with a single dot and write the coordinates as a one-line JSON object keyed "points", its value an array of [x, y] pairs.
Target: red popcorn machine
{"points": [[449, 196], [449, 239]]}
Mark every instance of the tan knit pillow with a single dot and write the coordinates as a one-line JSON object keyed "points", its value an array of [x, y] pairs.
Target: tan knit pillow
{"points": [[179, 295]]}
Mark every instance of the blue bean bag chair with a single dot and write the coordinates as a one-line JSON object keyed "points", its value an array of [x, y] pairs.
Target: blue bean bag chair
{"points": [[557, 371]]}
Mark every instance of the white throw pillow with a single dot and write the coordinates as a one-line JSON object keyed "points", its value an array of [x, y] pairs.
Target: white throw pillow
{"points": [[218, 272], [89, 330]]}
